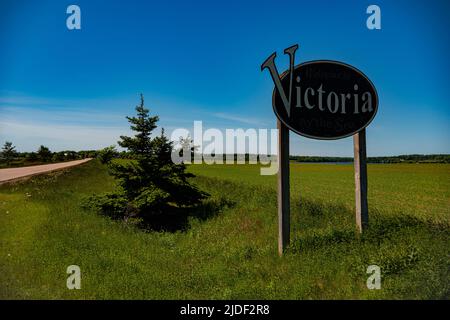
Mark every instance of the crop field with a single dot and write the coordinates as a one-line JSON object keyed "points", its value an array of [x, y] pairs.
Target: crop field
{"points": [[227, 248]]}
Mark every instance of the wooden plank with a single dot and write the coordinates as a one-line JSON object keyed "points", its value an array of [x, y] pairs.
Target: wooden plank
{"points": [[283, 188], [362, 213]]}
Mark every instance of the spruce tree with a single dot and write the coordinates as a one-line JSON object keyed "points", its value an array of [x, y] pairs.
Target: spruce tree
{"points": [[8, 152], [149, 183]]}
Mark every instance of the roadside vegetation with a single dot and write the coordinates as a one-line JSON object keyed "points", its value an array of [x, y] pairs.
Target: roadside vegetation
{"points": [[11, 158]]}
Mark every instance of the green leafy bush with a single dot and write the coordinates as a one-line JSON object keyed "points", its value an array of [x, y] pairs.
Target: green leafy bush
{"points": [[107, 154]]}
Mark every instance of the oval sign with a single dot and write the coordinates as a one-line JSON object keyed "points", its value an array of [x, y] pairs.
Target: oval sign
{"points": [[329, 100]]}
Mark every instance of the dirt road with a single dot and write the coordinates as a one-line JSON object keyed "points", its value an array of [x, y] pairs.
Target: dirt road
{"points": [[11, 174]]}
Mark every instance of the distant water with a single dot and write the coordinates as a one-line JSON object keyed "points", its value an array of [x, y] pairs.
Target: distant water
{"points": [[339, 162], [343, 162]]}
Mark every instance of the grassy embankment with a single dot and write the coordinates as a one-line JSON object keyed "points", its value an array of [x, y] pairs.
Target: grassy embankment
{"points": [[229, 250]]}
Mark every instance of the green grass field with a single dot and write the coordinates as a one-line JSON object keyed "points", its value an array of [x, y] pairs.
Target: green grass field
{"points": [[229, 249]]}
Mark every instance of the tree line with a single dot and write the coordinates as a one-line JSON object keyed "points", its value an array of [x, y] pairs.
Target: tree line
{"points": [[10, 157], [409, 158]]}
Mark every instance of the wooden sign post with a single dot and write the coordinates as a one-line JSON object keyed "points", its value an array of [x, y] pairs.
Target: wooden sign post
{"points": [[362, 211], [325, 100], [283, 188]]}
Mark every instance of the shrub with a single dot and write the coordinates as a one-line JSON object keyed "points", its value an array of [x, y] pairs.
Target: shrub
{"points": [[107, 154], [44, 154]]}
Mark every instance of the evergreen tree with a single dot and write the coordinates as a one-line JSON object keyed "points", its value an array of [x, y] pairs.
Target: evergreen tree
{"points": [[150, 183], [186, 145], [44, 154], [8, 152]]}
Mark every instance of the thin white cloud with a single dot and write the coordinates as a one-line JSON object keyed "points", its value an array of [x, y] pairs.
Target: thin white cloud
{"points": [[236, 118], [28, 136], [58, 115], [26, 100]]}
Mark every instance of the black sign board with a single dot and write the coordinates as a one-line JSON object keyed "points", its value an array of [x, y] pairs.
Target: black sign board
{"points": [[321, 99], [328, 100]]}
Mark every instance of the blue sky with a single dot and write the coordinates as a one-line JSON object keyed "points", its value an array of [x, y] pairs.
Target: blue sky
{"points": [[200, 60]]}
